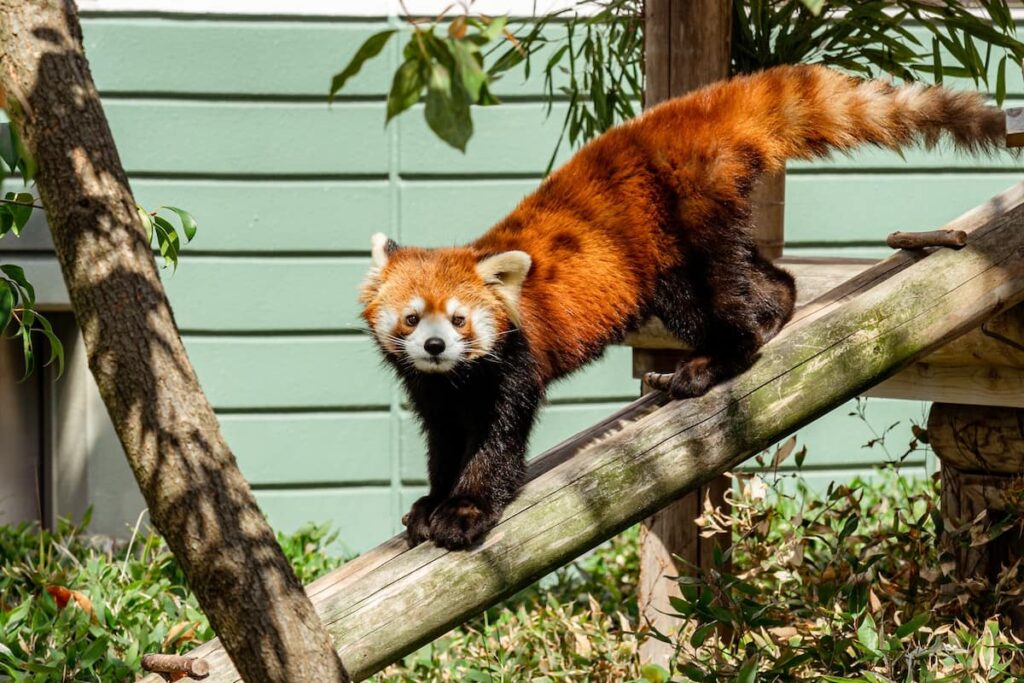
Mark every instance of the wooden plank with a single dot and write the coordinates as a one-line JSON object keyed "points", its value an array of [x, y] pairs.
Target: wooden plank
{"points": [[361, 516], [176, 55], [284, 58], [970, 385], [394, 599], [824, 209], [245, 138], [607, 378], [230, 57], [827, 208], [246, 216], [290, 372], [328, 447], [275, 215], [515, 138], [242, 293]]}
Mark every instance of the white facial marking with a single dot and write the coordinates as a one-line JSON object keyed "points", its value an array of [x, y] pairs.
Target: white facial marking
{"points": [[384, 326], [486, 332]]}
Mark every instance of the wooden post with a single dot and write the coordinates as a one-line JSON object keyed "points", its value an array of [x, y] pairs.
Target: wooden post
{"points": [[982, 454], [688, 46]]}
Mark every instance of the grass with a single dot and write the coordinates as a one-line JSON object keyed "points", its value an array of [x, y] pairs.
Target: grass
{"points": [[853, 585]]}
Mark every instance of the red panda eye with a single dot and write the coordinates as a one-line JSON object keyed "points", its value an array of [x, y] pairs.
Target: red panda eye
{"points": [[412, 319], [458, 321]]}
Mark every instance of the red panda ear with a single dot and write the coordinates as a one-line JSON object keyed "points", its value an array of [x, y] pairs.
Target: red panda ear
{"points": [[381, 247], [505, 273]]}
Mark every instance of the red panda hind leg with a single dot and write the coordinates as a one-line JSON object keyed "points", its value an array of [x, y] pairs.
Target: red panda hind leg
{"points": [[725, 302]]}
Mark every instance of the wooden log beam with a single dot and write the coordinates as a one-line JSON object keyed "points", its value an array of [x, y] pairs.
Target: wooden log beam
{"points": [[394, 599]]}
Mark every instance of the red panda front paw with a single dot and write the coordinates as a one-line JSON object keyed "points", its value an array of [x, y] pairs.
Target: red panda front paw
{"points": [[692, 378], [459, 522], [417, 520]]}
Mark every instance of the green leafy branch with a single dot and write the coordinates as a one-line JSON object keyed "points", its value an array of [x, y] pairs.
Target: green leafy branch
{"points": [[444, 65], [17, 307], [167, 240], [871, 37], [595, 59]]}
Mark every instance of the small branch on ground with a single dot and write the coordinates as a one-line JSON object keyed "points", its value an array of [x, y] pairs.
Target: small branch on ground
{"points": [[953, 239], [176, 664]]}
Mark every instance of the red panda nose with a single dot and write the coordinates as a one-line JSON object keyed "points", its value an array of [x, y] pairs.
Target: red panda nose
{"points": [[434, 346]]}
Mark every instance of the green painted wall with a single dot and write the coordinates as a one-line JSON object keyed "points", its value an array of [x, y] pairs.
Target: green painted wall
{"points": [[228, 118]]}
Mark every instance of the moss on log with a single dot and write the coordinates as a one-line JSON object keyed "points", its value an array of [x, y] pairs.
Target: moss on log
{"points": [[393, 599]]}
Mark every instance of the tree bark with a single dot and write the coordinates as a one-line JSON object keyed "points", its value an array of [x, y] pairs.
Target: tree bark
{"points": [[196, 495]]}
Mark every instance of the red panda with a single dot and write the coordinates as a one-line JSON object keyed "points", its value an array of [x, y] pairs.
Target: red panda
{"points": [[650, 218]]}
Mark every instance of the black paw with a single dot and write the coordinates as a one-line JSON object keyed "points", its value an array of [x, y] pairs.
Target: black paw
{"points": [[460, 522], [417, 520], [692, 378]]}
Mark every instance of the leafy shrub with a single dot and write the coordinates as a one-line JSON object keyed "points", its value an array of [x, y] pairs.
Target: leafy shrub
{"points": [[853, 585], [81, 608]]}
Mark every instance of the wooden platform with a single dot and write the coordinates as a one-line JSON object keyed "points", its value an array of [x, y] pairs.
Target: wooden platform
{"points": [[983, 367]]}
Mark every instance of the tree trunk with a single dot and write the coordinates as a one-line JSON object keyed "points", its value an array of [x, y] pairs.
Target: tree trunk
{"points": [[196, 495]]}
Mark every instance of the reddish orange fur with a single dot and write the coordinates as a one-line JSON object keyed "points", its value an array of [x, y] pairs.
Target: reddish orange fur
{"points": [[605, 226], [650, 218]]}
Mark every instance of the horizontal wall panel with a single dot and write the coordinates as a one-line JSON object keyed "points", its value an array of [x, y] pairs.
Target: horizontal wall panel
{"points": [[251, 293], [520, 137], [222, 57], [273, 215], [291, 57], [310, 448], [436, 213], [513, 138], [362, 517], [942, 157], [610, 377], [290, 372], [839, 251], [866, 208], [819, 208], [554, 425], [244, 138], [278, 58]]}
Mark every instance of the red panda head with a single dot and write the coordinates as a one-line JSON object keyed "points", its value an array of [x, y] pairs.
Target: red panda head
{"points": [[436, 309]]}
